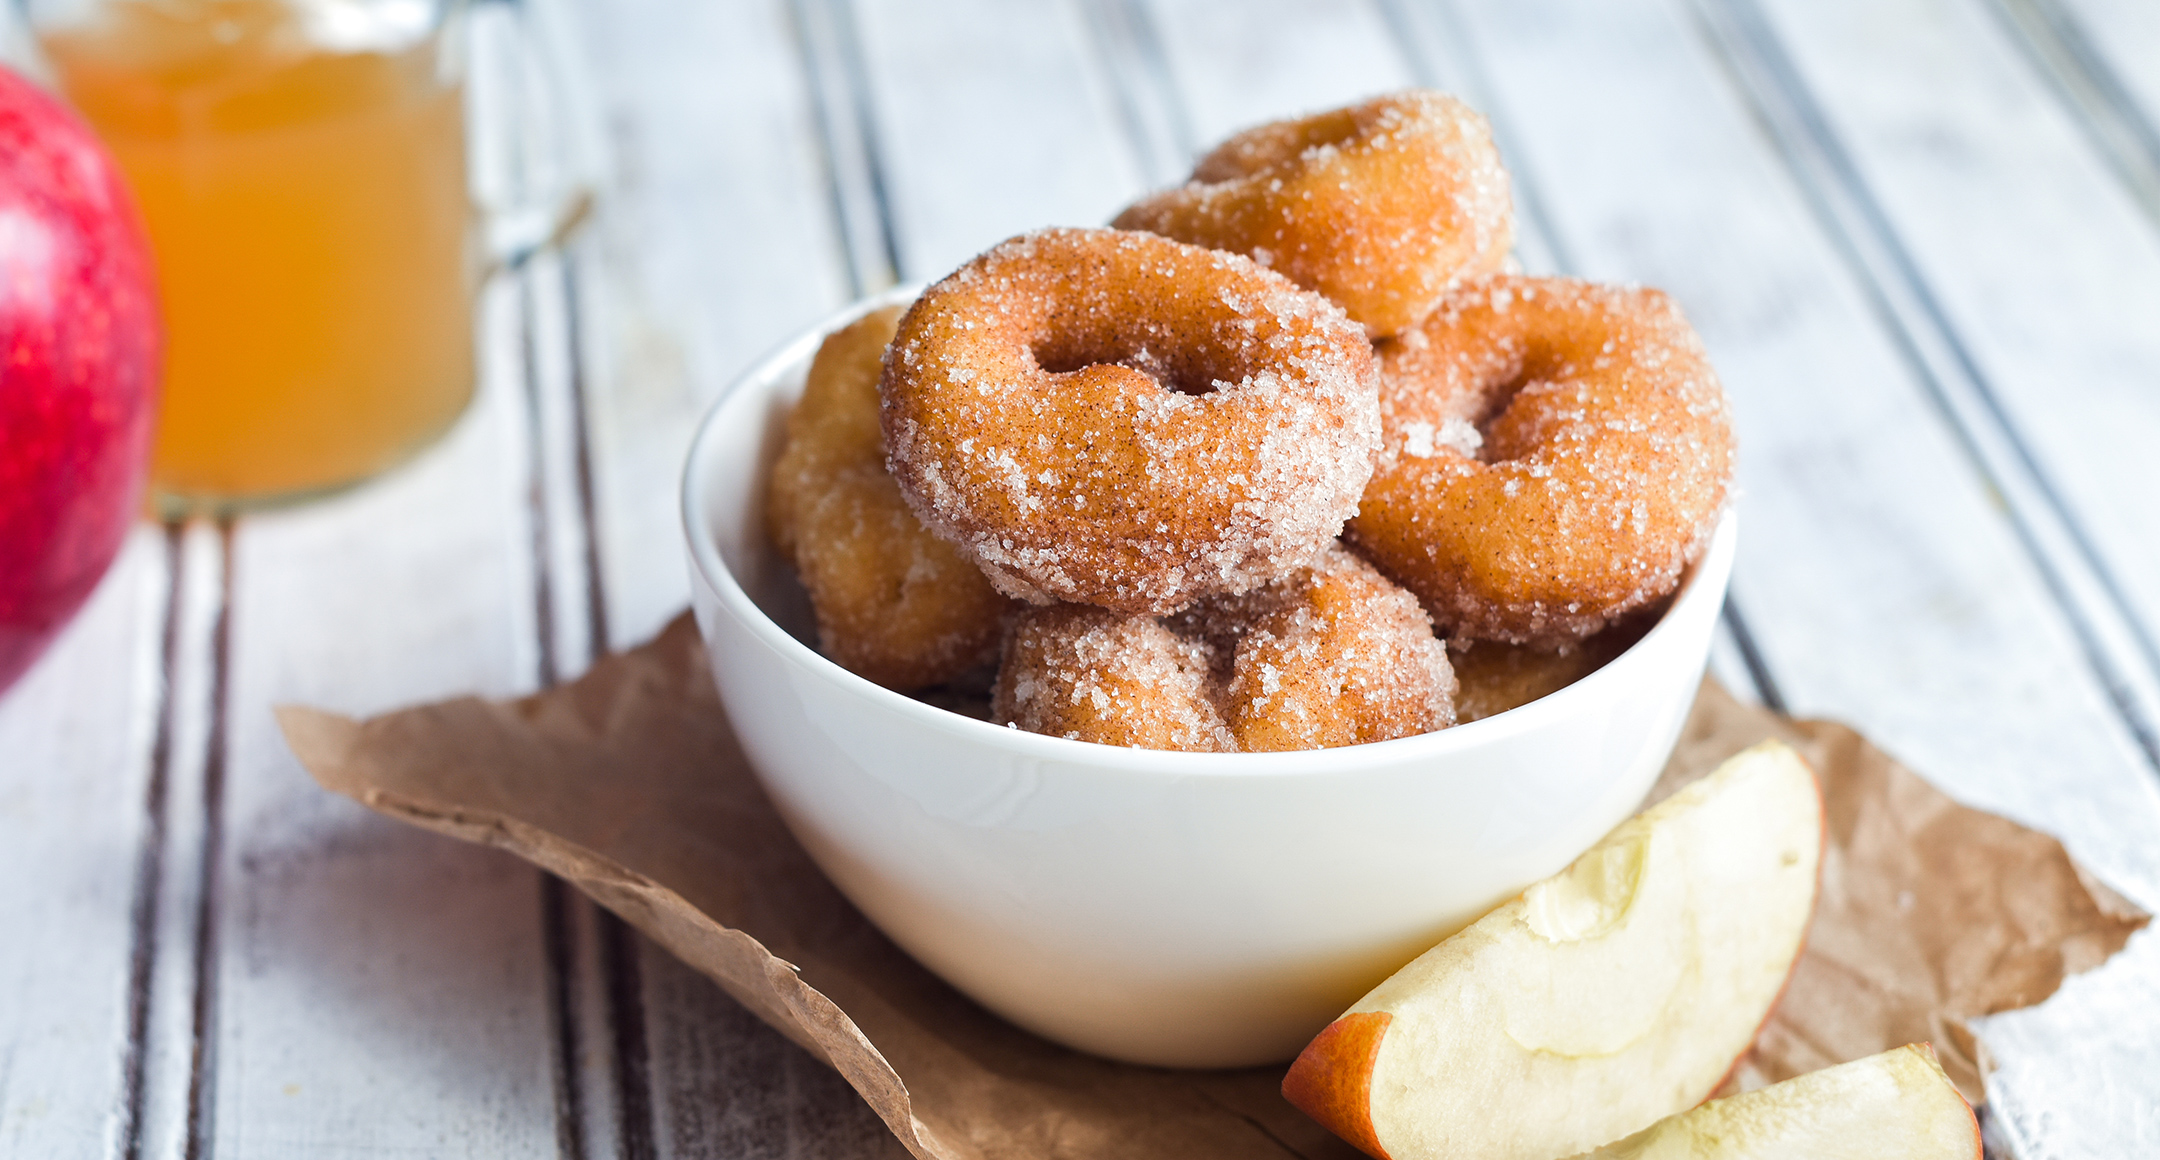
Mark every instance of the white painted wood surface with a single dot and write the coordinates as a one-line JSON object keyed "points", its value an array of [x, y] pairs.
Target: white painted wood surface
{"points": [[1921, 260], [78, 733], [1979, 172]]}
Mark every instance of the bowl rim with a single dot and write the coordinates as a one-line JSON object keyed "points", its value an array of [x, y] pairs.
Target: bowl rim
{"points": [[711, 567]]}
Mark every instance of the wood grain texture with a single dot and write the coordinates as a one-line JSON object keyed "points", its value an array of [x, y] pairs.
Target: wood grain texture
{"points": [[728, 1085], [714, 243], [2045, 274], [1879, 644], [1238, 65], [77, 733], [1940, 360], [2125, 34], [2098, 58], [1888, 588], [2073, 1077], [170, 1097], [992, 119], [378, 990]]}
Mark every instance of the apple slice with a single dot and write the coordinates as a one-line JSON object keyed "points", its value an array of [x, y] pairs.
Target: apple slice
{"points": [[1597, 1002], [1895, 1106]]}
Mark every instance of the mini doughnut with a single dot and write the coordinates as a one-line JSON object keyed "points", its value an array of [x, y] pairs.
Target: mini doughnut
{"points": [[1122, 420], [1381, 206], [1114, 678], [1554, 454], [894, 603], [1331, 655]]}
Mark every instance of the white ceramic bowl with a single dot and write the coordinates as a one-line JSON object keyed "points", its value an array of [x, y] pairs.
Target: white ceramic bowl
{"points": [[1179, 909]]}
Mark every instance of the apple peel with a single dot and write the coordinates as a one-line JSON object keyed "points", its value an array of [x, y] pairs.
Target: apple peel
{"points": [[1334, 1075], [1600, 1000]]}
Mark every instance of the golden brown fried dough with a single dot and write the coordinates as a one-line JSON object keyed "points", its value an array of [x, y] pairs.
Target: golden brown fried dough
{"points": [[1331, 655], [1114, 678], [1555, 453], [1122, 420], [1381, 206], [894, 603]]}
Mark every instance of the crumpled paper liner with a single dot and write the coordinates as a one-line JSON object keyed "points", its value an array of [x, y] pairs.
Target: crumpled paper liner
{"points": [[630, 785]]}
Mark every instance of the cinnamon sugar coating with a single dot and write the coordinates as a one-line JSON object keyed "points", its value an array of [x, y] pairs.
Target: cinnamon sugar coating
{"points": [[894, 603], [1114, 678], [1118, 419], [1381, 206], [1330, 655], [1554, 454]]}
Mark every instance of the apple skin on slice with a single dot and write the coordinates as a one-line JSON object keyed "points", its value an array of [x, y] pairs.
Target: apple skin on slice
{"points": [[1332, 1079], [1895, 1106], [1597, 1002]]}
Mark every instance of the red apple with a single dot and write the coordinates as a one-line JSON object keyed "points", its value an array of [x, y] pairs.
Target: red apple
{"points": [[79, 343]]}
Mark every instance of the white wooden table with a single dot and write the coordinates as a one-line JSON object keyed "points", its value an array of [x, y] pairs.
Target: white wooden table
{"points": [[1922, 238]]}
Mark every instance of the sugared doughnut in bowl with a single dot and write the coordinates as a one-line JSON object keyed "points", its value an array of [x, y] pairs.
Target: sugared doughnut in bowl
{"points": [[1178, 909]]}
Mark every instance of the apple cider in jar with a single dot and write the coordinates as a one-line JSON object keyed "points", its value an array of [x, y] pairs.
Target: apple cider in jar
{"points": [[301, 167]]}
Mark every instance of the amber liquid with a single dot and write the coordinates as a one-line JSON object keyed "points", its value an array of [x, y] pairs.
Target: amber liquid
{"points": [[309, 213]]}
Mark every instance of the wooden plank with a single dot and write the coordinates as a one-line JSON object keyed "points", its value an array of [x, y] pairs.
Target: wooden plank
{"points": [[2127, 34], [715, 242], [376, 989], [79, 732], [2074, 1076], [2098, 56], [2033, 268], [593, 1083], [991, 119], [2104, 63], [538, 163], [727, 1085], [1237, 65], [164, 1109], [1128, 44]]}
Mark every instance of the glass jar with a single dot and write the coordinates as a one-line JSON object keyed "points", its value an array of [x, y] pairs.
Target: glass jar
{"points": [[301, 167]]}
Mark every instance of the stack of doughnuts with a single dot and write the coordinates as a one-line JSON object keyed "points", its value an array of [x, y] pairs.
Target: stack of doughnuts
{"points": [[1238, 474]]}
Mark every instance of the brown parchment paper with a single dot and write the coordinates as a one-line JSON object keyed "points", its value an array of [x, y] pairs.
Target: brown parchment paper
{"points": [[629, 784]]}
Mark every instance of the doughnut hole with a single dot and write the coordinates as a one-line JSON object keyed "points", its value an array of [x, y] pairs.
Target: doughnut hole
{"points": [[1108, 352]]}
